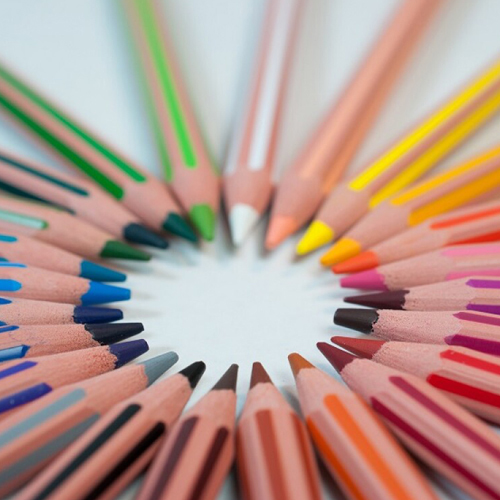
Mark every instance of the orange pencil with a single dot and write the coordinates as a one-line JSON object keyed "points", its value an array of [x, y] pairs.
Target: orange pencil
{"points": [[274, 456], [448, 438], [35, 434], [24, 381], [479, 223], [333, 144], [62, 229], [195, 458], [473, 180], [361, 455], [248, 182], [108, 457]]}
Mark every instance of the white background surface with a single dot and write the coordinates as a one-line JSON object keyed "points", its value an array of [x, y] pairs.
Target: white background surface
{"points": [[215, 303]]}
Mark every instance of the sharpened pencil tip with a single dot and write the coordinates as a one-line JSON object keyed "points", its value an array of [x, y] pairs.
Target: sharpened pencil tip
{"points": [[242, 219], [114, 332], [203, 218], [337, 357], [363, 348], [365, 280], [297, 363], [137, 233], [280, 228], [127, 351], [259, 375], [89, 314], [362, 262], [155, 367], [342, 250], [96, 272], [382, 300], [317, 235], [118, 250], [194, 372], [100, 293], [361, 320], [175, 224], [228, 380]]}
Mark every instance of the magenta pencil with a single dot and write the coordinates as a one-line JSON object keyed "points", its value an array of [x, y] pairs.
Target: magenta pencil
{"points": [[35, 434], [448, 438], [38, 284], [475, 330], [29, 341], [37, 312], [24, 381], [477, 293], [469, 377], [450, 263]]}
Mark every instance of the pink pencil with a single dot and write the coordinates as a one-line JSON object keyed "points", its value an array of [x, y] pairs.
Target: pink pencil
{"points": [[24, 381], [37, 312], [195, 458], [39, 284], [29, 341], [248, 180], [35, 434], [108, 457], [274, 456], [442, 434], [450, 263], [469, 377], [475, 330]]}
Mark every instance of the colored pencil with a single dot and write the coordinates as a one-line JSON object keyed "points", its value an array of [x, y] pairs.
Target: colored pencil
{"points": [[442, 265], [248, 182], [110, 455], [19, 248], [189, 169], [478, 223], [80, 196], [479, 293], [475, 330], [274, 456], [139, 191], [15, 311], [476, 178], [28, 341], [468, 377], [407, 159], [332, 145], [448, 438], [38, 284], [62, 229], [35, 434], [24, 381], [195, 458], [365, 460]]}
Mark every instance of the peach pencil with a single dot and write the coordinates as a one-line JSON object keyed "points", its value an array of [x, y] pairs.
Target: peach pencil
{"points": [[469, 377], [331, 146], [479, 293], [82, 149], [248, 182], [474, 330], [37, 312], [19, 248], [29, 341], [38, 284], [63, 230], [274, 456], [189, 168], [445, 436], [408, 158], [24, 381], [470, 181], [450, 263], [37, 433], [366, 461], [110, 455], [80, 196], [195, 458], [478, 223]]}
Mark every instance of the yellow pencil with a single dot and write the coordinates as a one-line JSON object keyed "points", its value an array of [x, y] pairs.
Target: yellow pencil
{"points": [[407, 159], [469, 181]]}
